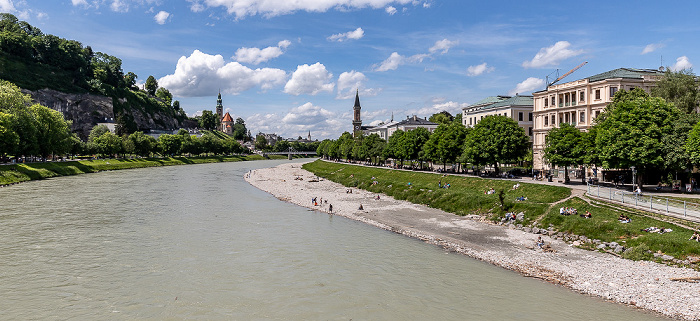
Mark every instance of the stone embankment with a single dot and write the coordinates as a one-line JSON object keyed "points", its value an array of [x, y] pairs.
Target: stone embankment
{"points": [[647, 285]]}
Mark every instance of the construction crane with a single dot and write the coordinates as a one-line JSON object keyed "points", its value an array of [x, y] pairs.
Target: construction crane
{"points": [[566, 74]]}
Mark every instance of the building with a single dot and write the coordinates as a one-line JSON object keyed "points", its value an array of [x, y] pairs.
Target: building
{"points": [[227, 124], [411, 123], [381, 129], [518, 108], [356, 120], [220, 112], [579, 102]]}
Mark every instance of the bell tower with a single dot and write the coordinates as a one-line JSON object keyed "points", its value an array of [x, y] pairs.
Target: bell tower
{"points": [[220, 111], [356, 121]]}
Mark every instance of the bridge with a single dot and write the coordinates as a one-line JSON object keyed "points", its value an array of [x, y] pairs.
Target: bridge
{"points": [[291, 152]]}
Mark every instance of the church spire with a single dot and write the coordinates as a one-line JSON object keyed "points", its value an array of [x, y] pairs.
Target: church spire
{"points": [[356, 120], [357, 98]]}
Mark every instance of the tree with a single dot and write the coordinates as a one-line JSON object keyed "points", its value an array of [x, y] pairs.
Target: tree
{"points": [[97, 131], [169, 144], [151, 85], [239, 129], [445, 143], [143, 145], [260, 142], [442, 117], [124, 124], [692, 144], [53, 132], [176, 105], [208, 120], [130, 79], [680, 88], [496, 140], [413, 143], [393, 147], [165, 95], [564, 147], [108, 144], [631, 130], [281, 146], [9, 140]]}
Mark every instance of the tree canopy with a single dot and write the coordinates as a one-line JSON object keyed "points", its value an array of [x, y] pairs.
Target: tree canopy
{"points": [[496, 140], [679, 88]]}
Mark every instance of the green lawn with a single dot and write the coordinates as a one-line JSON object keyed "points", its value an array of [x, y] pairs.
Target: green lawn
{"points": [[10, 174], [465, 196]]}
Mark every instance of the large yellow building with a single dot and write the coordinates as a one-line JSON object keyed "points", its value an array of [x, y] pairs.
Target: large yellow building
{"points": [[579, 102]]}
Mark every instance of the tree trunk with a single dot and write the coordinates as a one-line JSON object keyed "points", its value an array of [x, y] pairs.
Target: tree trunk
{"points": [[566, 174]]}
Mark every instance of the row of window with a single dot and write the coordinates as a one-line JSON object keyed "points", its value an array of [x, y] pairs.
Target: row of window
{"points": [[564, 98], [582, 118], [521, 117]]}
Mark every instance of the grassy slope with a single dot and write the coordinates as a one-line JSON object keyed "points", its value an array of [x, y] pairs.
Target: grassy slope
{"points": [[466, 196], [10, 174]]}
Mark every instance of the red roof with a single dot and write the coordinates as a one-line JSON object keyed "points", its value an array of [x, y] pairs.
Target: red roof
{"points": [[227, 117]]}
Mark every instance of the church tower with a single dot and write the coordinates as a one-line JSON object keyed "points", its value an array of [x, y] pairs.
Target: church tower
{"points": [[220, 111], [356, 121]]}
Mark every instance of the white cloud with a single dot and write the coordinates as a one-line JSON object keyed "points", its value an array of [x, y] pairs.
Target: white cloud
{"points": [[390, 10], [79, 2], [271, 8], [301, 120], [309, 80], [161, 17], [479, 69], [682, 63], [257, 55], [652, 47], [199, 74], [306, 114], [391, 63], [443, 46], [355, 34], [7, 6], [436, 107], [551, 56], [528, 86], [119, 6], [349, 82]]}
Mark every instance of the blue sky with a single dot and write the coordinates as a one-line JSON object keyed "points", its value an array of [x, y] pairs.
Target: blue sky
{"points": [[289, 67]]}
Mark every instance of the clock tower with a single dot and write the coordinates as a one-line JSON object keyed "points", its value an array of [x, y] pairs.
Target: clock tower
{"points": [[356, 121]]}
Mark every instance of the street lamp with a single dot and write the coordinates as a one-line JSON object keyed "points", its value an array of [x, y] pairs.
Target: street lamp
{"points": [[634, 181]]}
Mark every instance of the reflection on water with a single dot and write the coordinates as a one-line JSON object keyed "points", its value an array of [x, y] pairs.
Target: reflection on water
{"points": [[198, 242]]}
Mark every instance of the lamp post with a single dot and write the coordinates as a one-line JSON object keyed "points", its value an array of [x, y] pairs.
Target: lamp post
{"points": [[634, 181]]}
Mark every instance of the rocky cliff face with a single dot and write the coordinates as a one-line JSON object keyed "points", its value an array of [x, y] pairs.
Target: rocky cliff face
{"points": [[87, 110]]}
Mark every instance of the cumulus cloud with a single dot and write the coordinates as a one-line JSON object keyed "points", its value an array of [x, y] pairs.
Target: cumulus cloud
{"points": [[551, 56], [310, 80], [79, 2], [306, 114], [257, 55], [437, 106], [682, 63], [390, 10], [652, 47], [271, 8], [200, 74], [7, 6], [527, 86], [479, 69], [299, 121], [395, 59], [443, 46], [161, 17], [355, 34], [349, 82]]}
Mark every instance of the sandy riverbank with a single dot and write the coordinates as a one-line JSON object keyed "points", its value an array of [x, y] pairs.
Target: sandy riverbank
{"points": [[646, 285]]}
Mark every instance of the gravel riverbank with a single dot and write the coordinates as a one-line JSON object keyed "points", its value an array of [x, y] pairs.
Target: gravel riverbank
{"points": [[646, 285]]}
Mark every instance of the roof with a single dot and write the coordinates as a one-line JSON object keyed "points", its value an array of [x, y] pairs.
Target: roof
{"points": [[227, 117], [629, 73], [488, 100], [516, 100], [415, 120]]}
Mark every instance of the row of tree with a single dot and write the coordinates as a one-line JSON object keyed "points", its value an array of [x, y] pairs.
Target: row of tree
{"points": [[494, 141]]}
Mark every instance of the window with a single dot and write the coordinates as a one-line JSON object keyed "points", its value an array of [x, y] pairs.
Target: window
{"points": [[546, 102], [505, 114], [520, 116], [529, 116], [470, 121], [553, 102], [546, 120], [613, 90], [553, 120], [566, 117], [582, 95], [529, 129], [597, 94], [597, 113], [582, 117]]}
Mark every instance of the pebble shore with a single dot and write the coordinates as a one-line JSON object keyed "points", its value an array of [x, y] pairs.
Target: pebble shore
{"points": [[645, 285]]}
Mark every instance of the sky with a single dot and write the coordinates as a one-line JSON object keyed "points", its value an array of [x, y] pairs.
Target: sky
{"points": [[293, 67]]}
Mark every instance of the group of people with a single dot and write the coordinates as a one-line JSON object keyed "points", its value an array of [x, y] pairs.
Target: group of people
{"points": [[348, 191], [624, 218], [490, 191], [568, 211]]}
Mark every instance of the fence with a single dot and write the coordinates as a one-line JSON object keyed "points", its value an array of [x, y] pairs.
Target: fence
{"points": [[652, 202]]}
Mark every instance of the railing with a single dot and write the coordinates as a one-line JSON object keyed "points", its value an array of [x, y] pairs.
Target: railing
{"points": [[658, 203]]}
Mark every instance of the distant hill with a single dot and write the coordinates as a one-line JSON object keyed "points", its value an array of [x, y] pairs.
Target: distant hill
{"points": [[66, 76]]}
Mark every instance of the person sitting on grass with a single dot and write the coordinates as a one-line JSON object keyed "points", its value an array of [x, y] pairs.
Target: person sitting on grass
{"points": [[587, 215], [521, 198], [624, 219], [695, 237]]}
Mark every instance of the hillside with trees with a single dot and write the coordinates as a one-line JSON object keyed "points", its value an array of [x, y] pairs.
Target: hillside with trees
{"points": [[35, 61]]}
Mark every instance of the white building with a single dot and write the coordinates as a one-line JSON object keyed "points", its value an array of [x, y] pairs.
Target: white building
{"points": [[518, 108]]}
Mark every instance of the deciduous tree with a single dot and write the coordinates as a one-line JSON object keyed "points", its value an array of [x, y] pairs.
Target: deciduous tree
{"points": [[496, 140]]}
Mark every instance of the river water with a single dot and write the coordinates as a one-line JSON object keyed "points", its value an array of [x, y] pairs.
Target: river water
{"points": [[198, 242]]}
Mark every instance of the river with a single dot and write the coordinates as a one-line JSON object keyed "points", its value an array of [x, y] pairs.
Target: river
{"points": [[198, 242]]}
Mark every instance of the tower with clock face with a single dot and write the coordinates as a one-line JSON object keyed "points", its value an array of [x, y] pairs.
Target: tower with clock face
{"points": [[356, 121]]}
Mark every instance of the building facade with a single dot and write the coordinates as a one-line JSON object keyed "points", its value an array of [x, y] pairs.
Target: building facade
{"points": [[518, 108], [411, 123], [227, 124], [579, 102]]}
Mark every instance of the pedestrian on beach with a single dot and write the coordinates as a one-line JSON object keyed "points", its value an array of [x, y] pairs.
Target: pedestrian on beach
{"points": [[361, 208], [330, 208]]}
